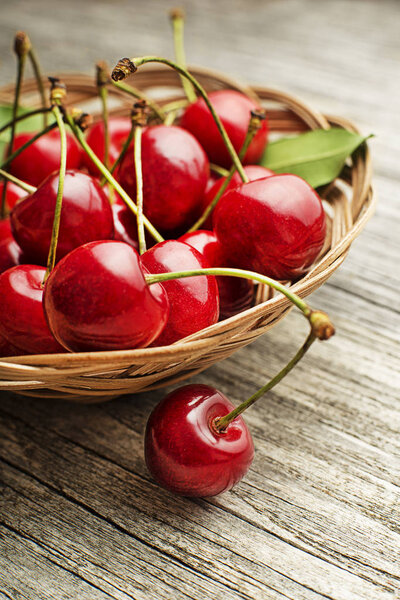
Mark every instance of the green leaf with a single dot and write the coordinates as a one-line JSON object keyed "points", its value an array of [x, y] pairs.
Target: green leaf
{"points": [[34, 123], [317, 156]]}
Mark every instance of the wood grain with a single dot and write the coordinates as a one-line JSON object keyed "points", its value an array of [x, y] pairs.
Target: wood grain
{"points": [[318, 514]]}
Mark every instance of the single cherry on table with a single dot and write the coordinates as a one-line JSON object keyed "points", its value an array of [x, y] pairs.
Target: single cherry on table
{"points": [[233, 108], [186, 453]]}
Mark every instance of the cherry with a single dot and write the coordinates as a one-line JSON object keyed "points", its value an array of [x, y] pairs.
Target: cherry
{"points": [[14, 193], [119, 129], [42, 157], [96, 298], [186, 454], [235, 294], [10, 252], [22, 321], [275, 226], [86, 216], [194, 302], [175, 174], [233, 108], [125, 225], [253, 172], [7, 349]]}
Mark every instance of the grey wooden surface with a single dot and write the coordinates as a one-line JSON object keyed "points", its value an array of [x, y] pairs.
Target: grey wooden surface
{"points": [[318, 514]]}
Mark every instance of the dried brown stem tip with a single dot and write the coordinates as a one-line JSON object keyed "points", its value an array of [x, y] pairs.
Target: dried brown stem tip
{"points": [[81, 119], [123, 68], [58, 90], [321, 325], [256, 118], [176, 13], [22, 43], [102, 73], [140, 113]]}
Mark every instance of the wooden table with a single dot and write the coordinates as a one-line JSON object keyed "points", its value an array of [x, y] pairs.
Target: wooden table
{"points": [[318, 514]]}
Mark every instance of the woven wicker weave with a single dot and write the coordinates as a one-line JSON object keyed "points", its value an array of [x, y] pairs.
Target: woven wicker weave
{"points": [[99, 376]]}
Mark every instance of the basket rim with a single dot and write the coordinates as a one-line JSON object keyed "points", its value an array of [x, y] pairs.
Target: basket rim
{"points": [[188, 345]]}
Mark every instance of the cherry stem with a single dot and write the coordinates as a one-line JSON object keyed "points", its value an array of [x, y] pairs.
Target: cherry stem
{"points": [[254, 126], [132, 91], [139, 187], [21, 48], [127, 66], [39, 81], [26, 115], [175, 105], [31, 140], [121, 155], [319, 321], [178, 20], [111, 180], [101, 81], [51, 260], [25, 186], [221, 423], [219, 170]]}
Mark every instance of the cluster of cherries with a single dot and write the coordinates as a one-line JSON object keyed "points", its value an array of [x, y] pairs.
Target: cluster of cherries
{"points": [[114, 287]]}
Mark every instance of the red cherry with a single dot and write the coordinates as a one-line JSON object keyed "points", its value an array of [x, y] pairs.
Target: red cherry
{"points": [[186, 454], [86, 216], [14, 193], [233, 108], [10, 253], [22, 321], [275, 226], [97, 298], [253, 172], [235, 294], [7, 349], [175, 173], [119, 129], [194, 302], [125, 224], [42, 157]]}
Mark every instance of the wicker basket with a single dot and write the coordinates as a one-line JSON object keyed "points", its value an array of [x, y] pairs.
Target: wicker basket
{"points": [[99, 376]]}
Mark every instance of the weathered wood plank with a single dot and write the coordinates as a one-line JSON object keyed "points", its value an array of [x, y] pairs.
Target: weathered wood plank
{"points": [[317, 516]]}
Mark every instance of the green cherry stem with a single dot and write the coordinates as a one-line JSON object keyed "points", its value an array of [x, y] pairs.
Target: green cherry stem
{"points": [[27, 115], [139, 187], [254, 125], [221, 423], [21, 47], [51, 260], [121, 155], [126, 66], [177, 17], [111, 180], [132, 91], [175, 105], [25, 186], [31, 140], [39, 82], [101, 82], [319, 321], [219, 170]]}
